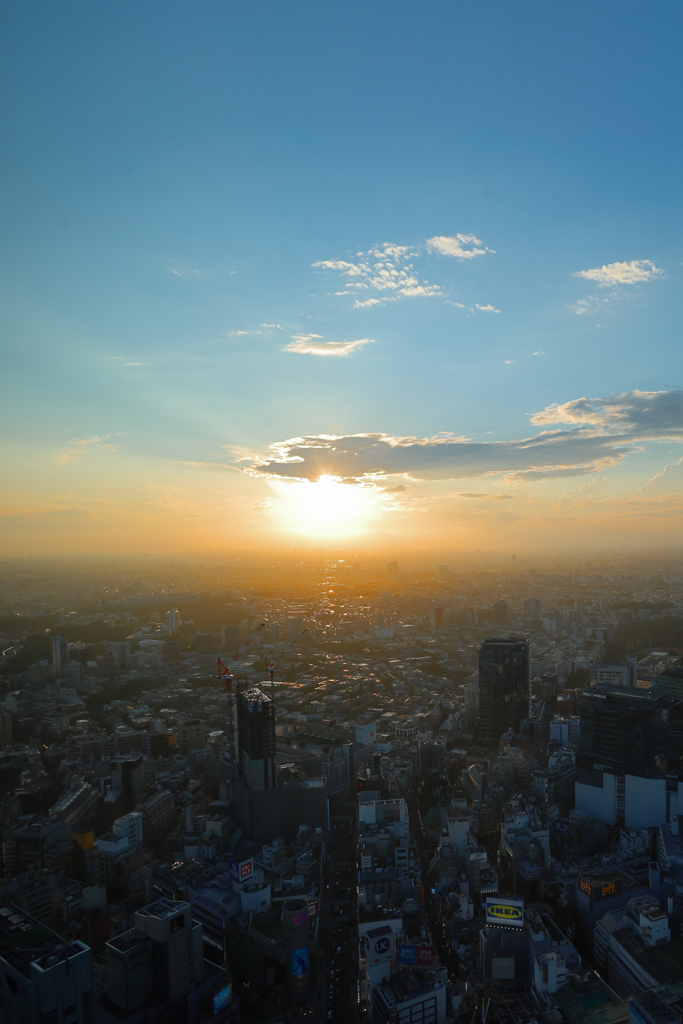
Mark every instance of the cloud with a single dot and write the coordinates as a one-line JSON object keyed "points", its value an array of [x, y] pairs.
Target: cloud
{"points": [[385, 270], [636, 414], [611, 274], [484, 494], [487, 309], [80, 446], [314, 345], [462, 247], [365, 457], [595, 433]]}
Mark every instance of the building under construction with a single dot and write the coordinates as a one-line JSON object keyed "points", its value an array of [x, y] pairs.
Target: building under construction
{"points": [[267, 802]]}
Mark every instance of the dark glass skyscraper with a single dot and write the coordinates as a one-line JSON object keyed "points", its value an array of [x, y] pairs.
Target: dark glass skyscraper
{"points": [[256, 739], [503, 686]]}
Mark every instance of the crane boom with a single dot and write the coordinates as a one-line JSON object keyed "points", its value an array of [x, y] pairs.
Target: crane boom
{"points": [[272, 665]]}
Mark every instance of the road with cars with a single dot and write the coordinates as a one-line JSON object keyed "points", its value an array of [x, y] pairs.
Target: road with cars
{"points": [[337, 990]]}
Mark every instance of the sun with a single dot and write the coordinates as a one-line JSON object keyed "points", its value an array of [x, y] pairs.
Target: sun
{"points": [[324, 509]]}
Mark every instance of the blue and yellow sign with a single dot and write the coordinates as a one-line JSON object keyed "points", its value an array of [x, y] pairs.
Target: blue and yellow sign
{"points": [[508, 913]]}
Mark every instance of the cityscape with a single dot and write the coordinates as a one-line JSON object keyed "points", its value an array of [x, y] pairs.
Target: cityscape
{"points": [[341, 512], [340, 789]]}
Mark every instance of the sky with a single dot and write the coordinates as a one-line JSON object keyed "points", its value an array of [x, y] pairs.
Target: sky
{"points": [[378, 276]]}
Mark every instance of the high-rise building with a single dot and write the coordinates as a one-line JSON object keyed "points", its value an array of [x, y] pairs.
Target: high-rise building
{"points": [[500, 611], [230, 636], [619, 674], [629, 762], [159, 815], [127, 775], [120, 652], [177, 947], [5, 729], [60, 653], [43, 977], [295, 625], [503, 686], [256, 739], [191, 735], [160, 958], [532, 608], [173, 619]]}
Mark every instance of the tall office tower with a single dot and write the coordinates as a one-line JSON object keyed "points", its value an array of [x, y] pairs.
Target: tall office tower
{"points": [[256, 739], [60, 653], [191, 735], [503, 686], [273, 634], [294, 626], [173, 619], [629, 764], [230, 636], [500, 611], [296, 931], [160, 957], [5, 729], [42, 976], [120, 652], [128, 776], [532, 608]]}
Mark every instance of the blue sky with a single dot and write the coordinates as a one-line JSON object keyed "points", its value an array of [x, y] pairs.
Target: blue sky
{"points": [[173, 172]]}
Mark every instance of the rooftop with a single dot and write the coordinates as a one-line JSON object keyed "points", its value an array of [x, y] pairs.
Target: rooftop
{"points": [[586, 999], [25, 941]]}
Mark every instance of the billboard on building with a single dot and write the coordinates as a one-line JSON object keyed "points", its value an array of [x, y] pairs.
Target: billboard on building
{"points": [[426, 956], [300, 961], [222, 998], [406, 954], [379, 945], [504, 912], [242, 870]]}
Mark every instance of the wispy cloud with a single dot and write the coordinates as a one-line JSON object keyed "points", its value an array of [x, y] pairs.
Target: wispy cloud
{"points": [[462, 247], [611, 274], [487, 309], [179, 270], [76, 449], [385, 270], [315, 345]]}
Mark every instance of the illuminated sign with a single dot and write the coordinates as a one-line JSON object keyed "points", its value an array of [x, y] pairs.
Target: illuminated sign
{"points": [[504, 912], [300, 961], [600, 890], [415, 956], [300, 919], [240, 871], [222, 998], [406, 954], [313, 909]]}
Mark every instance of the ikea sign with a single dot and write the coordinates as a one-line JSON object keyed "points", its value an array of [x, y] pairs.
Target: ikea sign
{"points": [[505, 913]]}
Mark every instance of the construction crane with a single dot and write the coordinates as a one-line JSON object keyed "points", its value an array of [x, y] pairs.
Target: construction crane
{"points": [[226, 675], [272, 665]]}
